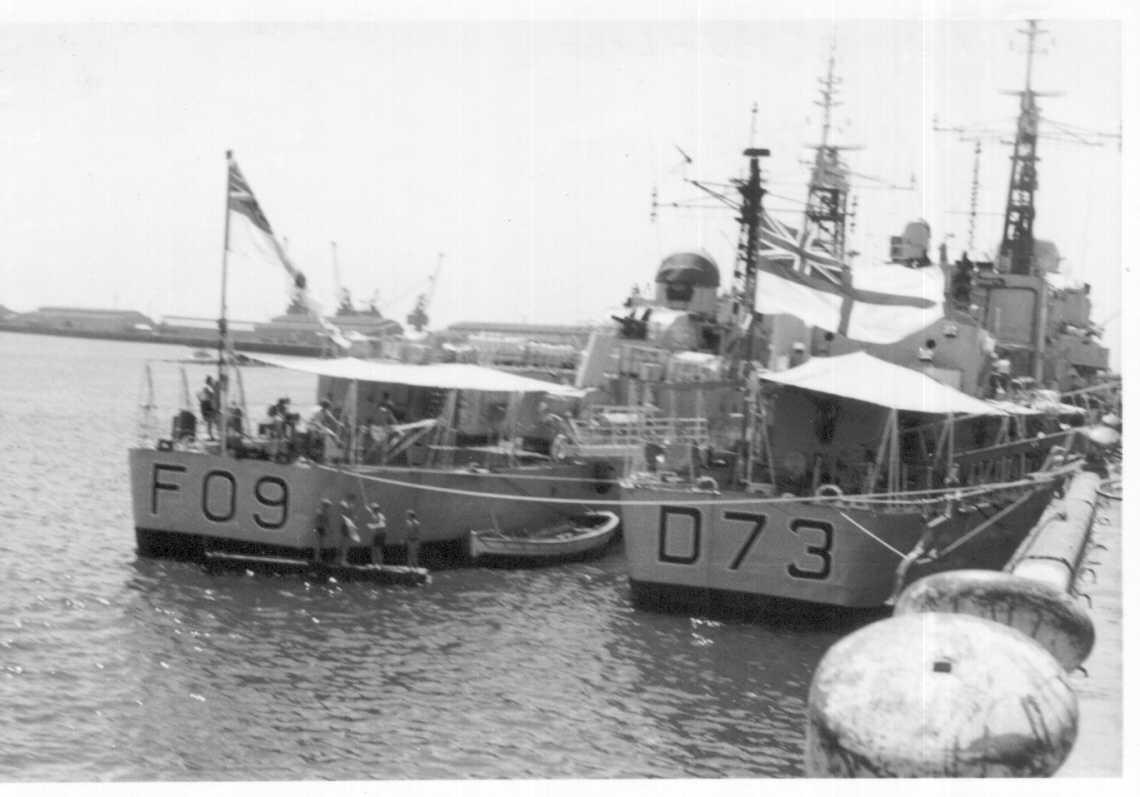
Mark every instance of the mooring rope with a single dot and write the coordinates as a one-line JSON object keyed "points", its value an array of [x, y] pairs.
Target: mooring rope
{"points": [[875, 498], [872, 535], [1113, 490]]}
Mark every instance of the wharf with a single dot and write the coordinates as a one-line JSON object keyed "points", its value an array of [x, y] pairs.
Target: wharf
{"points": [[193, 341], [1098, 749]]}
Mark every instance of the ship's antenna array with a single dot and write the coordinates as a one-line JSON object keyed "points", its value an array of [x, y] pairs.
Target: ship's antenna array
{"points": [[828, 91], [828, 215], [1016, 250], [975, 136], [974, 192], [745, 196], [825, 211]]}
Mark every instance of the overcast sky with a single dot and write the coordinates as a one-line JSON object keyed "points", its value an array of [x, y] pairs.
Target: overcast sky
{"points": [[525, 149]]}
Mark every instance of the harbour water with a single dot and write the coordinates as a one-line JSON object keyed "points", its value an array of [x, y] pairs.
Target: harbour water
{"points": [[119, 668]]}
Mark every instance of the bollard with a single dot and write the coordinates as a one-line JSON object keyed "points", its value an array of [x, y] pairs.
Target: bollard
{"points": [[938, 695], [1050, 618]]}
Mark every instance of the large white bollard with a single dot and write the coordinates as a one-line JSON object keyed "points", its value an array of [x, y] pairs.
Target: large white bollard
{"points": [[1049, 617], [938, 695]]}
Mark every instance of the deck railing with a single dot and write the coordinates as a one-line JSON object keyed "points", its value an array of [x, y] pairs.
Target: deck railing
{"points": [[1009, 461], [620, 426]]}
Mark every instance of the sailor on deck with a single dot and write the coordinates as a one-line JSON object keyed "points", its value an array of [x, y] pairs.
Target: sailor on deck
{"points": [[323, 425], [1000, 377], [321, 528], [207, 404], [412, 540], [799, 355], [378, 528], [348, 533], [379, 429]]}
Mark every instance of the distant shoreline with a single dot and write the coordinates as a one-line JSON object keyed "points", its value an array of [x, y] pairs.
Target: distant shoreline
{"points": [[192, 341]]}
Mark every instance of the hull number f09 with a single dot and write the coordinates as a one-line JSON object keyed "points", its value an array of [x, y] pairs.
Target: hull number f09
{"points": [[219, 495]]}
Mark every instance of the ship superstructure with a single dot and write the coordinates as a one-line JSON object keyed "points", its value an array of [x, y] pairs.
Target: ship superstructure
{"points": [[1041, 323]]}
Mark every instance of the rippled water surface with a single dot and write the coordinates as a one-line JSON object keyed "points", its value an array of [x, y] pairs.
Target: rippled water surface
{"points": [[114, 667]]}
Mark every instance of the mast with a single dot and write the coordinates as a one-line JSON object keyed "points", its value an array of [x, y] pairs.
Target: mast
{"points": [[825, 214], [974, 185], [1016, 253], [751, 208], [223, 343]]}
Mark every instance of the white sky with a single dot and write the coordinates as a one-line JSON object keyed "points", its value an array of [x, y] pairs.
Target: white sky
{"points": [[526, 149]]}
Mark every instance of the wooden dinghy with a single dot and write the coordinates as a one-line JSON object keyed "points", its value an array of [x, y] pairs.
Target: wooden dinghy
{"points": [[573, 538], [379, 574]]}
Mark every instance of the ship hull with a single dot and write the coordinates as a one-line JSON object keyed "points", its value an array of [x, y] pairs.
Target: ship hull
{"points": [[188, 503], [683, 548]]}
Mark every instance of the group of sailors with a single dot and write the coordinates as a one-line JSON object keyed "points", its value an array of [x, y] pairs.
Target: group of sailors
{"points": [[284, 435], [346, 532], [325, 435]]}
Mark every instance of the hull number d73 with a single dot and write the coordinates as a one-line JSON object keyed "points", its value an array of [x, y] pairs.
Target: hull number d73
{"points": [[679, 540]]}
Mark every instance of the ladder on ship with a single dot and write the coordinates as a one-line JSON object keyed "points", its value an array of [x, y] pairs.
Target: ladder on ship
{"points": [[759, 465]]}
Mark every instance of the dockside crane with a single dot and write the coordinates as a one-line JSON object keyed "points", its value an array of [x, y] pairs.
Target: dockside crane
{"points": [[343, 296], [418, 319]]}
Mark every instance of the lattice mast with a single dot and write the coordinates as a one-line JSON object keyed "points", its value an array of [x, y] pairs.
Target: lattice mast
{"points": [[750, 208], [1016, 253], [825, 214], [748, 250]]}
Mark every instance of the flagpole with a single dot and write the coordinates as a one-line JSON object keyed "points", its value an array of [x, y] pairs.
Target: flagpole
{"points": [[222, 389]]}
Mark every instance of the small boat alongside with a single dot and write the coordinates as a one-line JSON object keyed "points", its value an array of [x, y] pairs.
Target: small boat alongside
{"points": [[573, 538]]}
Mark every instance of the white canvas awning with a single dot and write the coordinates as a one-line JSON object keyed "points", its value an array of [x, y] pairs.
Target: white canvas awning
{"points": [[445, 376], [861, 377]]}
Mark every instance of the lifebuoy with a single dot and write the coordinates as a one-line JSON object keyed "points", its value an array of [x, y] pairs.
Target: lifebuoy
{"points": [[708, 483], [825, 490]]}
